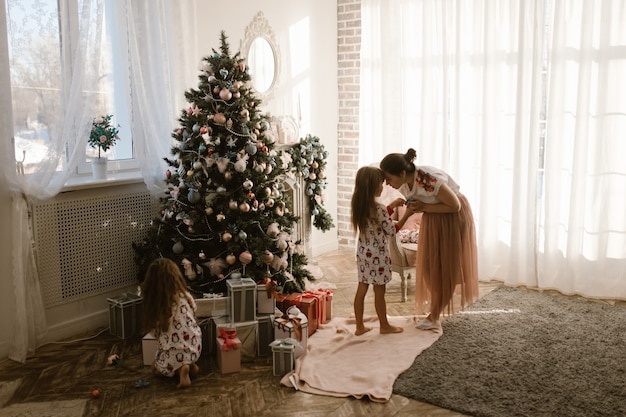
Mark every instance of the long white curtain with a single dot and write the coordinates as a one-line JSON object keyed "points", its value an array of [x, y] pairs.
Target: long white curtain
{"points": [[465, 83], [158, 62]]}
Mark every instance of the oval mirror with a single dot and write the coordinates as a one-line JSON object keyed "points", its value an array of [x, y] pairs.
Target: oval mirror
{"points": [[261, 63], [262, 55]]}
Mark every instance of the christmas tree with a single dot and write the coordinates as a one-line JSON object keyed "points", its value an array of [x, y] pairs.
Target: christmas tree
{"points": [[225, 213]]}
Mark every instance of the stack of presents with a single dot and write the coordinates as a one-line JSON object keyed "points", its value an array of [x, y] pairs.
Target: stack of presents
{"points": [[252, 320]]}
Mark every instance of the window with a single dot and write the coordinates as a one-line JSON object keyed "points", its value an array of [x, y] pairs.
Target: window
{"points": [[43, 39]]}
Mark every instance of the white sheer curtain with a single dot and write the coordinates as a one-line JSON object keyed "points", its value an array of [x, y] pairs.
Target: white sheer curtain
{"points": [[583, 217], [153, 33], [164, 64], [463, 82]]}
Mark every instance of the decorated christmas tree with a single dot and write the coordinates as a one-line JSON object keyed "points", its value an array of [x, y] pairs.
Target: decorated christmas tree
{"points": [[225, 212]]}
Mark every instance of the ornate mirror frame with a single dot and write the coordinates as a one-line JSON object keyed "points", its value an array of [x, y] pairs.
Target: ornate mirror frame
{"points": [[260, 28]]}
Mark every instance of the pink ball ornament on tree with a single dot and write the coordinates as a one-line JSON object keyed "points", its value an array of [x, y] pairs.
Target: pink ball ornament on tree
{"points": [[231, 259], [225, 94], [226, 237], [245, 257]]}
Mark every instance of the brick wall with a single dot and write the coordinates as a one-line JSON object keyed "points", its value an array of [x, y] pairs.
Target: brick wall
{"points": [[348, 78]]}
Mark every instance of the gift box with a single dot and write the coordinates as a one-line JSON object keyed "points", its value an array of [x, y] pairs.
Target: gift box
{"points": [[242, 299], [247, 333], [266, 303], [209, 334], [283, 358], [291, 326], [307, 305], [149, 346], [329, 305], [265, 335], [211, 305], [228, 354], [125, 315]]}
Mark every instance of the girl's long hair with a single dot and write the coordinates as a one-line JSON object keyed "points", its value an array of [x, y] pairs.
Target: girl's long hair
{"points": [[363, 203], [395, 163], [163, 284]]}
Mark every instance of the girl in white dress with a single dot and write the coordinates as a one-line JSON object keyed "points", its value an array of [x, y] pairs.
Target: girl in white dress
{"points": [[169, 314], [374, 225]]}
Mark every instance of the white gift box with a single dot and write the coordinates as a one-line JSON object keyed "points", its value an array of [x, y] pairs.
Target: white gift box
{"points": [[211, 305], [242, 298], [265, 304], [149, 346], [285, 328]]}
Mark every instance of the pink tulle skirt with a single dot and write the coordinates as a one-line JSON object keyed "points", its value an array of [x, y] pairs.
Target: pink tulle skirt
{"points": [[446, 261]]}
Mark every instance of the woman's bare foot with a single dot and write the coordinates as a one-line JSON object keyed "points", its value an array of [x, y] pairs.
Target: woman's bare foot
{"points": [[183, 374], [360, 330], [390, 329]]}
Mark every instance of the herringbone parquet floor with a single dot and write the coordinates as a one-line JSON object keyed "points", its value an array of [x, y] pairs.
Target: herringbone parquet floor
{"points": [[58, 380]]}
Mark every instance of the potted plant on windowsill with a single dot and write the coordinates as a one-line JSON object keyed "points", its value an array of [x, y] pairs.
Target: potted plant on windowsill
{"points": [[103, 136]]}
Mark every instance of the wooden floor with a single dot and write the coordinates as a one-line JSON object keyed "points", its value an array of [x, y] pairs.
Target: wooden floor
{"points": [[61, 376]]}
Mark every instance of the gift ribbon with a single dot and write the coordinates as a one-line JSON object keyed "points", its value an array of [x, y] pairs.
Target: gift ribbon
{"points": [[321, 304], [229, 336], [297, 326], [270, 287]]}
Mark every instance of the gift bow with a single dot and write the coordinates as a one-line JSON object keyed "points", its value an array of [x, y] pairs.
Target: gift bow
{"points": [[270, 287], [297, 326], [229, 336]]}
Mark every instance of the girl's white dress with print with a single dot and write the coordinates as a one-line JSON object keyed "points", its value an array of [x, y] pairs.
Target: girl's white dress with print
{"points": [[182, 343], [373, 256]]}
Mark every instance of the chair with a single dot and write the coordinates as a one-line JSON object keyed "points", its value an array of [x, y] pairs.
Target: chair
{"points": [[400, 255]]}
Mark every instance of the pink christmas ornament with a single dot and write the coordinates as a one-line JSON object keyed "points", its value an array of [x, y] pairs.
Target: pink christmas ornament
{"points": [[245, 257]]}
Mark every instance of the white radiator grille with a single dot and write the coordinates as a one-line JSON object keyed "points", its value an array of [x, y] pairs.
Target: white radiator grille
{"points": [[84, 241]]}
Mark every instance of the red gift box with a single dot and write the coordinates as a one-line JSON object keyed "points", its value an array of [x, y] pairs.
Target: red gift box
{"points": [[307, 305]]}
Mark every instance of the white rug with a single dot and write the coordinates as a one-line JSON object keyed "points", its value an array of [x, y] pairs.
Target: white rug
{"points": [[339, 364]]}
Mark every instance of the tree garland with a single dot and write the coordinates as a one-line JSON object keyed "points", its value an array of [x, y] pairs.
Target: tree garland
{"points": [[308, 159]]}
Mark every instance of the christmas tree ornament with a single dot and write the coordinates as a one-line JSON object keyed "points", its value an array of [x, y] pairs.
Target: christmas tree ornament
{"points": [[229, 124], [221, 190], [251, 148], [226, 237], [279, 211], [228, 175], [240, 166], [245, 257], [224, 73], [247, 184], [194, 196], [196, 128], [270, 202], [202, 255], [190, 273], [225, 94], [168, 174], [231, 259], [197, 165], [178, 248], [312, 176], [232, 204], [222, 164], [314, 165], [242, 235], [244, 207], [220, 218], [273, 230], [208, 211], [219, 118], [268, 257], [250, 195]]}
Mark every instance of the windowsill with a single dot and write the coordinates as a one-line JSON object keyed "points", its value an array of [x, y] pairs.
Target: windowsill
{"points": [[86, 181]]}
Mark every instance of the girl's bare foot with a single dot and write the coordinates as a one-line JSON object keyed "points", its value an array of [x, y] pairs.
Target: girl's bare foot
{"points": [[194, 370], [183, 374], [390, 329], [360, 330]]}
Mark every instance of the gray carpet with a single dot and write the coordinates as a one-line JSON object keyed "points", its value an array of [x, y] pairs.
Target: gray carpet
{"points": [[519, 352]]}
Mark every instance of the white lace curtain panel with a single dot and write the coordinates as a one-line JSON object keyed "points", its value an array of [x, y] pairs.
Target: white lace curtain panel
{"points": [[518, 101], [160, 72]]}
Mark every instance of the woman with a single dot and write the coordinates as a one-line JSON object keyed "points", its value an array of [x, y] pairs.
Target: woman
{"points": [[446, 248]]}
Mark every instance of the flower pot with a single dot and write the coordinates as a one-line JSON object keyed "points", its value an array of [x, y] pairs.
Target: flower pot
{"points": [[99, 168]]}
